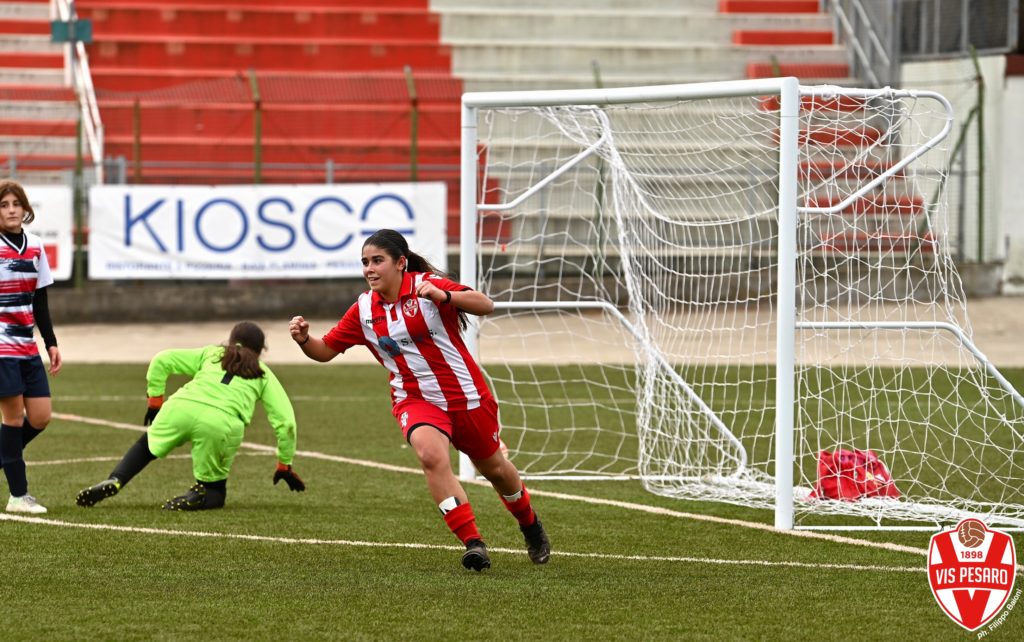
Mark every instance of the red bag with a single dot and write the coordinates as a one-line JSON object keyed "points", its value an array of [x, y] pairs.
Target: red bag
{"points": [[852, 474]]}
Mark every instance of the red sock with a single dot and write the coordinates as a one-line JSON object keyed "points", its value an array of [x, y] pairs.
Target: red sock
{"points": [[462, 522], [521, 508]]}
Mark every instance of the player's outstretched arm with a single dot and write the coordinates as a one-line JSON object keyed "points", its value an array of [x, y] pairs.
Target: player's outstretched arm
{"points": [[312, 347]]}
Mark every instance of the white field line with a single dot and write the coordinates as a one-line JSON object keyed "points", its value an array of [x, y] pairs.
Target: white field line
{"points": [[654, 510], [89, 460], [414, 545], [627, 403], [142, 399], [342, 398]]}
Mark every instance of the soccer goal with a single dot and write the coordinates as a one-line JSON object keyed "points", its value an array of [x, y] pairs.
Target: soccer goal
{"points": [[716, 288]]}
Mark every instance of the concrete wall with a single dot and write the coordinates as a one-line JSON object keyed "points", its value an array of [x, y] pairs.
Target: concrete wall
{"points": [[1002, 260], [99, 302], [955, 79], [1011, 165]]}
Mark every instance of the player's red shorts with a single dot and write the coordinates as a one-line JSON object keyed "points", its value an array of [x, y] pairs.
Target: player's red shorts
{"points": [[474, 432]]}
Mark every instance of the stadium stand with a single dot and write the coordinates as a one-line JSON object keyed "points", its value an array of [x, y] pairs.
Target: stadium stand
{"points": [[181, 84], [502, 44], [178, 82], [528, 44], [37, 112]]}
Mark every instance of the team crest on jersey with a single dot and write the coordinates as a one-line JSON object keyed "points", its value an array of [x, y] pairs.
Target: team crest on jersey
{"points": [[410, 308], [971, 570]]}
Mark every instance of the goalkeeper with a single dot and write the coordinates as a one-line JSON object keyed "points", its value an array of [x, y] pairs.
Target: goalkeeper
{"points": [[211, 411]]}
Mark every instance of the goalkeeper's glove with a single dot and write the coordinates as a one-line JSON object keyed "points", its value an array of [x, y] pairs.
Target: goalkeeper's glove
{"points": [[154, 407], [286, 473]]}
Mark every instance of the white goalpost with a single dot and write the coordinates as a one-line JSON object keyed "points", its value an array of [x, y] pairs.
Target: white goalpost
{"points": [[716, 288]]}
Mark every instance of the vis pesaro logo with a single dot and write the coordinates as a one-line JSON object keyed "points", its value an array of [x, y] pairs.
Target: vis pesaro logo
{"points": [[971, 570]]}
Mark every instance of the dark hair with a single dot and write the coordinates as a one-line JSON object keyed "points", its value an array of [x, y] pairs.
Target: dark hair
{"points": [[10, 187], [242, 353], [395, 246]]}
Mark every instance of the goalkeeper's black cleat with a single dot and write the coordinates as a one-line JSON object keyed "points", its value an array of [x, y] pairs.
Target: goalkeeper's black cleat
{"points": [[198, 497], [475, 558], [193, 499], [537, 545], [214, 498], [95, 494]]}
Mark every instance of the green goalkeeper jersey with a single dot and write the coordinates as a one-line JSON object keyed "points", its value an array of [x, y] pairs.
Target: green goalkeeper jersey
{"points": [[212, 386]]}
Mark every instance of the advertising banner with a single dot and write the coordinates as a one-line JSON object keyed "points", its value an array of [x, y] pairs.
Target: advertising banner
{"points": [[53, 207], [256, 231]]}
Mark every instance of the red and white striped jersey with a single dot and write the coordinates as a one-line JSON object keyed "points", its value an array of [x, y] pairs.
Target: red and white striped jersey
{"points": [[23, 270], [418, 341]]}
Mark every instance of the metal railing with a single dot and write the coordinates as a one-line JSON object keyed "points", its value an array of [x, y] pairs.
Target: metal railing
{"points": [[77, 75], [870, 31]]}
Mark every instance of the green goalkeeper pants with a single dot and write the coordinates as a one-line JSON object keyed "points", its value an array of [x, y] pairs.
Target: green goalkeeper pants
{"points": [[215, 435]]}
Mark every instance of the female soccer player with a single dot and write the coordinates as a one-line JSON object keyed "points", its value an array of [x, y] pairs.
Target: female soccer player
{"points": [[211, 411], [24, 390], [410, 320]]}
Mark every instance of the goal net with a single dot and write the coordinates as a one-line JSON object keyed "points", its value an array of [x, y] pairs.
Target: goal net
{"points": [[702, 292]]}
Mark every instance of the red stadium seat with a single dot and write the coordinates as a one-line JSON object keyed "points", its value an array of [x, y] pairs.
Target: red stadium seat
{"points": [[331, 82]]}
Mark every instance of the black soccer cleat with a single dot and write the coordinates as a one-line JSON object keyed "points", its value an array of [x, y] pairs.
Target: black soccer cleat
{"points": [[537, 545], [95, 494], [198, 497], [193, 499], [475, 558]]}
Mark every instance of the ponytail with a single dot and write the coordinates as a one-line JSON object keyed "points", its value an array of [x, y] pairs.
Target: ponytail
{"points": [[416, 263], [242, 352]]}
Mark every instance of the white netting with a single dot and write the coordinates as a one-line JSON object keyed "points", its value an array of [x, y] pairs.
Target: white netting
{"points": [[671, 225]]}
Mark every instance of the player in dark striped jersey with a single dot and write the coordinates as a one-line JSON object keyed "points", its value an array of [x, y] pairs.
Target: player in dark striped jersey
{"points": [[24, 390], [410, 319]]}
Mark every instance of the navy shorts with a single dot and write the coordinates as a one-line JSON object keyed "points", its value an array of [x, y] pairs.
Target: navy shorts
{"points": [[23, 377]]}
